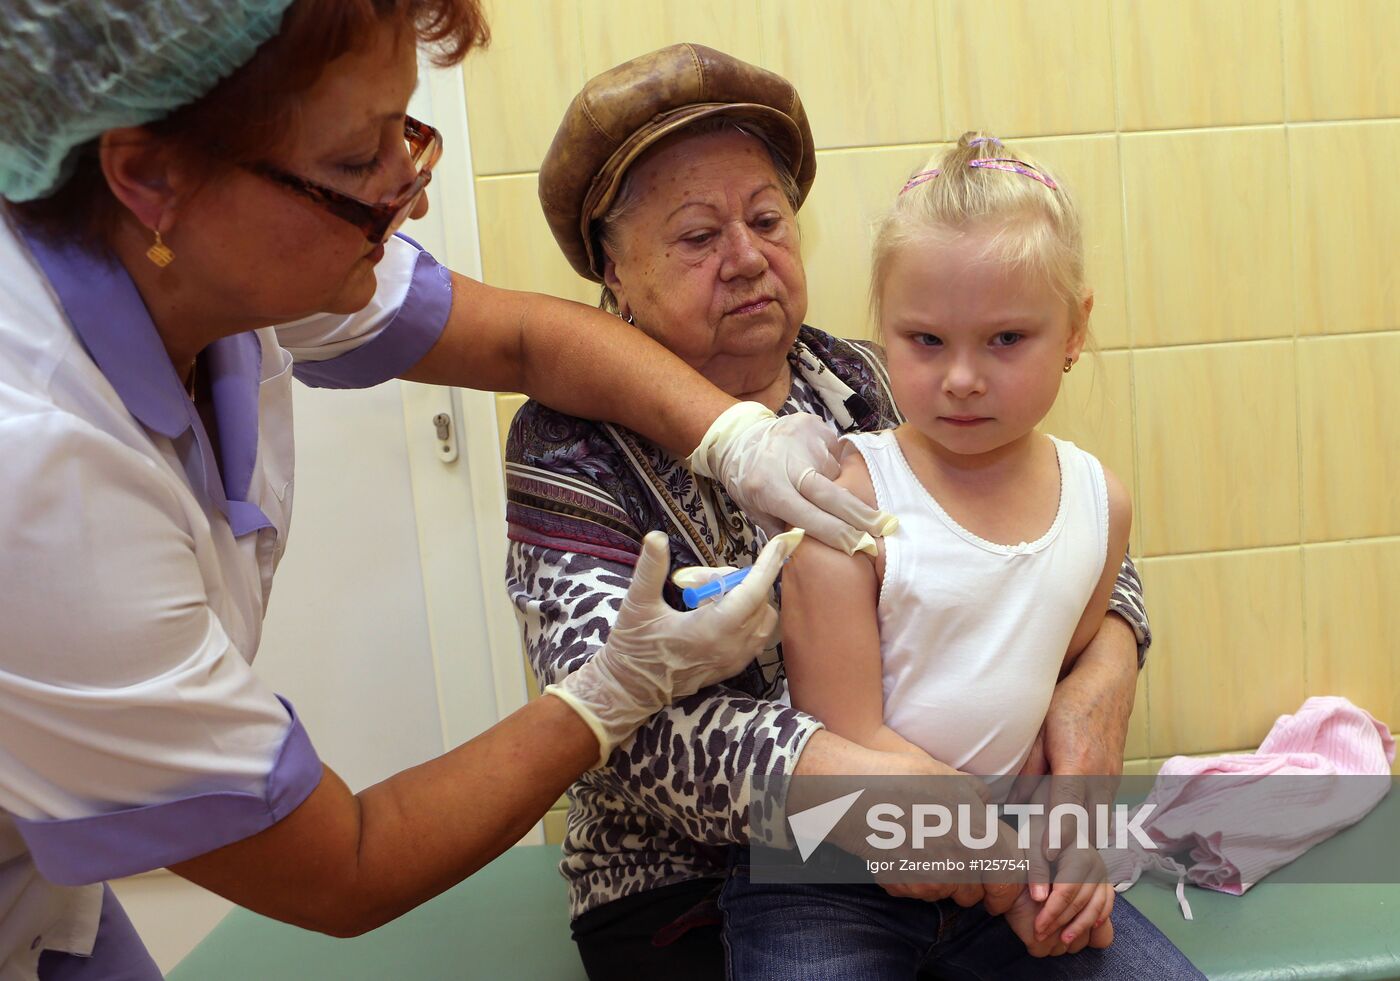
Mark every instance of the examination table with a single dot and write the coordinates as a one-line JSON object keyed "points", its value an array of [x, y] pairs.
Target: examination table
{"points": [[510, 921]]}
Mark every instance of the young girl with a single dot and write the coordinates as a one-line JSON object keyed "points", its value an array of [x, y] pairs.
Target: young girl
{"points": [[950, 641]]}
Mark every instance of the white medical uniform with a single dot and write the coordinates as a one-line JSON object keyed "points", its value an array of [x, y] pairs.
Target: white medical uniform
{"points": [[135, 568]]}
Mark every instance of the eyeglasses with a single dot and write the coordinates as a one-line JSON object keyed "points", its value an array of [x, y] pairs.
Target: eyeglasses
{"points": [[377, 221]]}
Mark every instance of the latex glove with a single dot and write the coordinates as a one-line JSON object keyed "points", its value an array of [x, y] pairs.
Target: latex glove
{"points": [[780, 472], [655, 654], [691, 576]]}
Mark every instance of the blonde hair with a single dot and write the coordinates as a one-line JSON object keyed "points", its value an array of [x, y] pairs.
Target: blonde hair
{"points": [[1036, 223]]}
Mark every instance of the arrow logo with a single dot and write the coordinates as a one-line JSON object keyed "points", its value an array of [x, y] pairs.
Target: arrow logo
{"points": [[810, 827]]}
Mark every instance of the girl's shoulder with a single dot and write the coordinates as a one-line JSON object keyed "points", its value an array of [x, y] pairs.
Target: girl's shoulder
{"points": [[855, 471]]}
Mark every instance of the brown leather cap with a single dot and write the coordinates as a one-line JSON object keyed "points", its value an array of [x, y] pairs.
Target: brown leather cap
{"points": [[625, 110]]}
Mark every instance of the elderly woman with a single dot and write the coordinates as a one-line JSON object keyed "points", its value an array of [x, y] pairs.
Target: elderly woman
{"points": [[674, 181]]}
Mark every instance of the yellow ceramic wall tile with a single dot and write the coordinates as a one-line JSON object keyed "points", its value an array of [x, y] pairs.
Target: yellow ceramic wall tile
{"points": [[1025, 67], [517, 250], [518, 88], [1349, 413], [1217, 447], [1346, 209], [1136, 745], [1340, 58], [1228, 659], [1095, 411], [1141, 768], [1353, 622], [866, 69], [555, 824], [853, 187], [1207, 248], [1089, 168], [507, 405], [1185, 63], [617, 30], [1152, 766]]}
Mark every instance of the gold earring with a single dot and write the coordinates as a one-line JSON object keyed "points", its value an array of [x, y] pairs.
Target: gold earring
{"points": [[160, 254], [1069, 363]]}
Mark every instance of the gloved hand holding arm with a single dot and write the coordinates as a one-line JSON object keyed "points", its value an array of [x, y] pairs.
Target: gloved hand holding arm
{"points": [[780, 470]]}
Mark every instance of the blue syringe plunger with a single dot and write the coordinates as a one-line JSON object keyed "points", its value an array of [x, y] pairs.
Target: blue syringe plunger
{"points": [[696, 595]]}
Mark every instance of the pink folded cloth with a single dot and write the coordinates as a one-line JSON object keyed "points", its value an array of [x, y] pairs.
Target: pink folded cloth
{"points": [[1238, 826]]}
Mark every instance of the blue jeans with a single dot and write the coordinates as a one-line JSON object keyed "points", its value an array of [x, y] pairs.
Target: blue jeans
{"points": [[860, 932]]}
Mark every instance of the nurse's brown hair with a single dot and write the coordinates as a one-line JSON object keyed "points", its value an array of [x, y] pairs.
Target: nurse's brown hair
{"points": [[250, 114]]}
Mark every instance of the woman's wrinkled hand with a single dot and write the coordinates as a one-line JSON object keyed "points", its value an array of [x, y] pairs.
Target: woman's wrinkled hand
{"points": [[655, 654], [779, 470]]}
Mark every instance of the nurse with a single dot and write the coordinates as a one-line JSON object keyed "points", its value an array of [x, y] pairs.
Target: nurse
{"points": [[178, 178]]}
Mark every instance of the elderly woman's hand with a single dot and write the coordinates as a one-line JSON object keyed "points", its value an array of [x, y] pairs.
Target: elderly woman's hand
{"points": [[780, 470], [655, 654]]}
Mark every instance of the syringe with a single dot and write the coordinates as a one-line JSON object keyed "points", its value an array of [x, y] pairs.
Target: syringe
{"points": [[696, 595], [693, 596]]}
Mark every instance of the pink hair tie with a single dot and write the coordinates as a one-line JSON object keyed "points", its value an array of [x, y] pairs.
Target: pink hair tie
{"points": [[990, 163], [922, 177], [1014, 167]]}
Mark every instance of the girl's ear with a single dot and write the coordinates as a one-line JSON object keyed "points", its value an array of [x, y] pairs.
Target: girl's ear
{"points": [[1079, 327]]}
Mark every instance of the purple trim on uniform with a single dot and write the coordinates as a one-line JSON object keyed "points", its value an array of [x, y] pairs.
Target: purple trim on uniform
{"points": [[76, 851], [115, 328], [416, 327], [235, 375], [117, 954]]}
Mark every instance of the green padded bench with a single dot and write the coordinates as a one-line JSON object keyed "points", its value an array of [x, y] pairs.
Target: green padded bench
{"points": [[510, 921]]}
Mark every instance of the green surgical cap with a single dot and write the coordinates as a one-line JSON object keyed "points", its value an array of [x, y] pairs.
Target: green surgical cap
{"points": [[72, 69]]}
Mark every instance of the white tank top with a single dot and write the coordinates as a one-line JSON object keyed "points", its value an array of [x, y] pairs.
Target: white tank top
{"points": [[972, 633]]}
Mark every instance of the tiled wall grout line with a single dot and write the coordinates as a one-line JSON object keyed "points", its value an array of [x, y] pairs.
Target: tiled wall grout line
{"points": [[1295, 284], [1238, 341], [1285, 546], [1355, 540], [1111, 7], [1222, 552], [944, 122], [1129, 320], [1283, 53], [1344, 121], [1100, 134]]}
